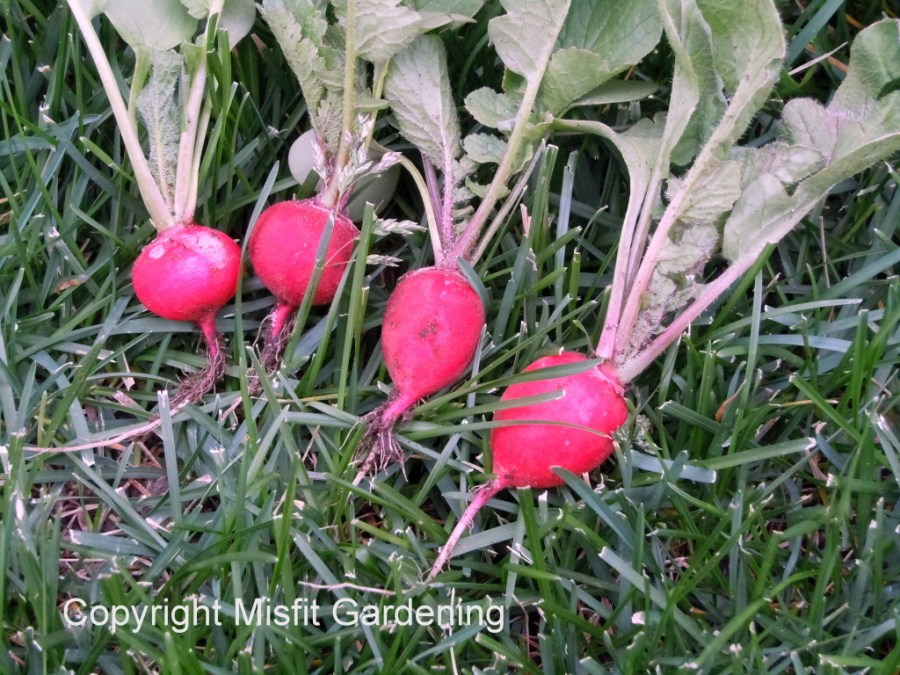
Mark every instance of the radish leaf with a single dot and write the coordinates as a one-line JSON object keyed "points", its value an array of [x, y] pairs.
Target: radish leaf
{"points": [[236, 19], [418, 90], [160, 114], [151, 24], [599, 39]]}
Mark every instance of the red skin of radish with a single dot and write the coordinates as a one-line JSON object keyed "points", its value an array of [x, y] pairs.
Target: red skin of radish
{"points": [[188, 273], [431, 329], [283, 249], [524, 454], [432, 326]]}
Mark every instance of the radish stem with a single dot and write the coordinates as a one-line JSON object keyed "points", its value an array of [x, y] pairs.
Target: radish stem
{"points": [[331, 197], [156, 205], [185, 170]]}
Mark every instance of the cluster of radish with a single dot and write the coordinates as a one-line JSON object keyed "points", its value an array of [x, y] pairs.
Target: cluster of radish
{"points": [[434, 320]]}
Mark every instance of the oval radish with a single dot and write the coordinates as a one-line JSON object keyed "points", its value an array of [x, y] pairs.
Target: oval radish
{"points": [[572, 431], [283, 249], [431, 329], [188, 273]]}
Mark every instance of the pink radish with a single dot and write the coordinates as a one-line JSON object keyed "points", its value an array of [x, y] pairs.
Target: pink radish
{"points": [[432, 326], [283, 252], [188, 273], [572, 431]]}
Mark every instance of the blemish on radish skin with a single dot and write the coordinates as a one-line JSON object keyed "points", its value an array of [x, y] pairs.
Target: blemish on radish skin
{"points": [[157, 252]]}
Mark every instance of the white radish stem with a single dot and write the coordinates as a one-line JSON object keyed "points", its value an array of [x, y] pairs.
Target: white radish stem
{"points": [[153, 199]]}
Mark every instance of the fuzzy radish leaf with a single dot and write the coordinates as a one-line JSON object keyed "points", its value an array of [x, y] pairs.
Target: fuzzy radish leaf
{"points": [[440, 13], [484, 148], [159, 111], [859, 127], [151, 24], [617, 91], [819, 146], [599, 39], [492, 109], [384, 28], [418, 90], [301, 28], [747, 53], [237, 16]]}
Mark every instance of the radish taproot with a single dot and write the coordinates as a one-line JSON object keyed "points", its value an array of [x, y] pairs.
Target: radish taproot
{"points": [[732, 200], [431, 329], [189, 271]]}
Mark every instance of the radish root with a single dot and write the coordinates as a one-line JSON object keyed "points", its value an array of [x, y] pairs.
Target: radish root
{"points": [[378, 448], [481, 497]]}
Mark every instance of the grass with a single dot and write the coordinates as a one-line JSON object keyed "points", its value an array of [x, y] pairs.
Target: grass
{"points": [[749, 523]]}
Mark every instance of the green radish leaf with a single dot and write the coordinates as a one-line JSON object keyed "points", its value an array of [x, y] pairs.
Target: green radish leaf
{"points": [[856, 129], [418, 90], [460, 8], [151, 24], [237, 16], [617, 91], [302, 32], [600, 38], [747, 52], [524, 37], [788, 164], [158, 107], [492, 109], [714, 193], [484, 148], [384, 28]]}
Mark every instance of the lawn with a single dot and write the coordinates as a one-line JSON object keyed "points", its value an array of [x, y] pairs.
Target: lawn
{"points": [[748, 521]]}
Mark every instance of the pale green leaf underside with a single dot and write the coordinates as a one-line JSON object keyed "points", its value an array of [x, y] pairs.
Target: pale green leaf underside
{"points": [[159, 111], [520, 35], [384, 28], [492, 109], [300, 28], [484, 148], [418, 90], [151, 24]]}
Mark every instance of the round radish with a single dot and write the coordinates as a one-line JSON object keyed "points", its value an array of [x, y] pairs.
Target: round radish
{"points": [[431, 329], [188, 273], [283, 249], [572, 431], [592, 399]]}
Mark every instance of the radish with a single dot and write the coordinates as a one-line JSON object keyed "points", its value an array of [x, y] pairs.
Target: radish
{"points": [[189, 271], [431, 329], [417, 88], [732, 200], [592, 399], [576, 433], [283, 249]]}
